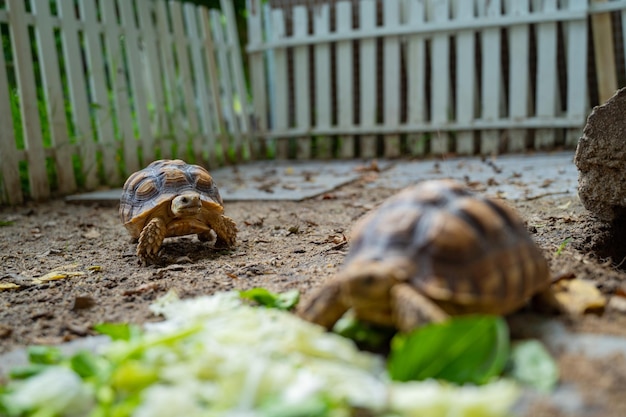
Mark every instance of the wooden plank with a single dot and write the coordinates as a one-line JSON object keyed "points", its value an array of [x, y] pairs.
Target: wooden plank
{"points": [[577, 102], [280, 116], [323, 81], [10, 185], [77, 85], [154, 77], [226, 84], [491, 76], [100, 104], [239, 85], [33, 139], [440, 74], [368, 101], [391, 79], [416, 77], [602, 30], [345, 86], [169, 147], [137, 83], [465, 77], [301, 82], [201, 89], [546, 93], [185, 77], [219, 123], [519, 48], [256, 67], [119, 86], [55, 102]]}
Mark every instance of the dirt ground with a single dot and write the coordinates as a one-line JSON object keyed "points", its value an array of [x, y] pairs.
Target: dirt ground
{"points": [[281, 245]]}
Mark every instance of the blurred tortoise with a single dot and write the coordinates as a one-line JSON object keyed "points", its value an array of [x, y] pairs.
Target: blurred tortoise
{"points": [[433, 250], [173, 198]]}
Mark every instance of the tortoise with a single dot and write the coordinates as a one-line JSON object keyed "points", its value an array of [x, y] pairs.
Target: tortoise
{"points": [[172, 198], [433, 250]]}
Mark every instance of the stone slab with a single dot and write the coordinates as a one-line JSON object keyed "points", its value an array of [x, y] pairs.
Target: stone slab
{"points": [[512, 177], [265, 180]]}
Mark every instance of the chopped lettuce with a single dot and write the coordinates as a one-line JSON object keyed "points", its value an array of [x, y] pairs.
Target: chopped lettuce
{"points": [[218, 356]]}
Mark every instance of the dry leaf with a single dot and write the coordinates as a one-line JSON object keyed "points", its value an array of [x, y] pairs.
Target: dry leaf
{"points": [[617, 303], [91, 234], [57, 275], [577, 297], [4, 286]]}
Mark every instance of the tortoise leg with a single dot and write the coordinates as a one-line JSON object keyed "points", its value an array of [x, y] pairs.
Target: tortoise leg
{"points": [[411, 309], [150, 241], [325, 306], [226, 231]]}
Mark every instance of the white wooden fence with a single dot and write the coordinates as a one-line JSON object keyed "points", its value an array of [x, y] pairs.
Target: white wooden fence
{"points": [[412, 77], [89, 94]]}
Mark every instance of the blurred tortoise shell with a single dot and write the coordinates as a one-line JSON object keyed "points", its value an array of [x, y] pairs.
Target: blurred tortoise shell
{"points": [[172, 198], [442, 244]]}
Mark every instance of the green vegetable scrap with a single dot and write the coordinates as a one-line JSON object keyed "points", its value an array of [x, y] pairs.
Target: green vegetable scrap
{"points": [[282, 301], [465, 349], [532, 365]]}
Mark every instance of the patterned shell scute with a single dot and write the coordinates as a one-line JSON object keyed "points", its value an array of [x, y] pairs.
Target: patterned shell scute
{"points": [[161, 181], [466, 251]]}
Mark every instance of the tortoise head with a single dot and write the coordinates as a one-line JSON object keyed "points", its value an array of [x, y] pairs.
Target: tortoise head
{"points": [[367, 288], [186, 204]]}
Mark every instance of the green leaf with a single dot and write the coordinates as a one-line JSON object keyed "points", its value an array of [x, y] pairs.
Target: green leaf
{"points": [[463, 349], [87, 364], [283, 301], [117, 331], [532, 365], [44, 355], [23, 372], [5, 223], [364, 334]]}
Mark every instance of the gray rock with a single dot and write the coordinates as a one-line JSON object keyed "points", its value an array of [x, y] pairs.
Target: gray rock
{"points": [[601, 159]]}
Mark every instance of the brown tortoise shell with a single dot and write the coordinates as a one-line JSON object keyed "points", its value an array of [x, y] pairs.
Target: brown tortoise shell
{"points": [[148, 192], [467, 252]]}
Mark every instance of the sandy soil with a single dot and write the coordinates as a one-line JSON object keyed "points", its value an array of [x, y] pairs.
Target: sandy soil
{"points": [[281, 245]]}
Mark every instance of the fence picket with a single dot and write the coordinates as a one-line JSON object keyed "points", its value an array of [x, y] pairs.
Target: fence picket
{"points": [[367, 63], [602, 30], [391, 79], [491, 77], [172, 99], [518, 74], [301, 81], [136, 84], [280, 116], [55, 104], [577, 70], [185, 77], [345, 89], [33, 139], [10, 187], [416, 77], [238, 85], [214, 84], [154, 78], [104, 113], [119, 86], [323, 81], [465, 77], [440, 74], [546, 89], [201, 91], [257, 77], [78, 99]]}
